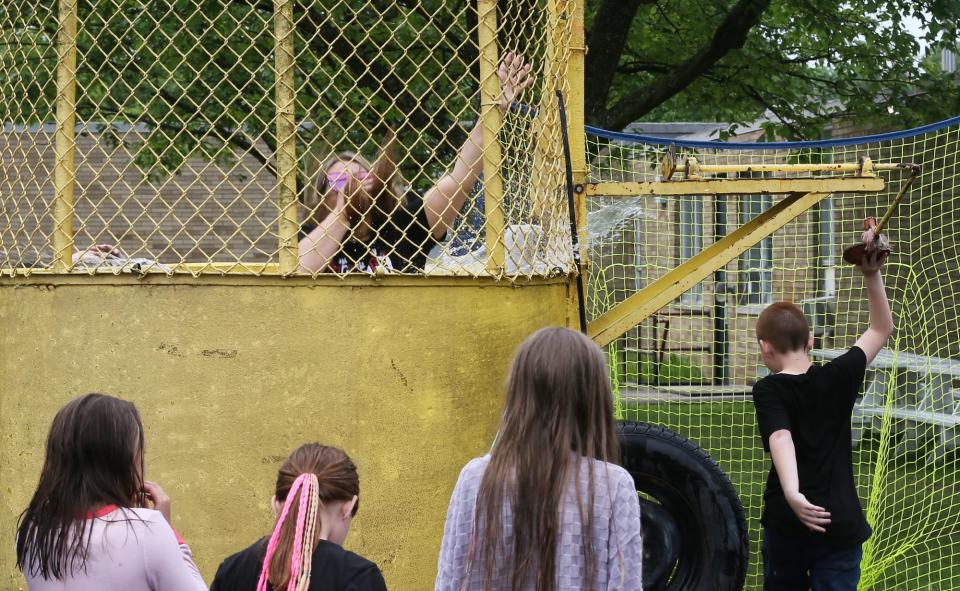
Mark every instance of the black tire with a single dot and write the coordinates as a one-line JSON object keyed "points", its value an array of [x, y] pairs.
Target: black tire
{"points": [[694, 526]]}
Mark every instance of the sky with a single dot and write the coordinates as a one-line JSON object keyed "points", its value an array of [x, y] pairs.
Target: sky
{"points": [[915, 27]]}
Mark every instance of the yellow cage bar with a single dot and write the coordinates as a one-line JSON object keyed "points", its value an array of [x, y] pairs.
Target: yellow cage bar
{"points": [[286, 137], [491, 120], [66, 122]]}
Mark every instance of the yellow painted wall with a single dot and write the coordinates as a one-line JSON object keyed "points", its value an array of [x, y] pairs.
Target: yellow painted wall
{"points": [[231, 374]]}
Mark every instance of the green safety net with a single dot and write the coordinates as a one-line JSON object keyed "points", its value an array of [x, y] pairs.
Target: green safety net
{"points": [[690, 366]]}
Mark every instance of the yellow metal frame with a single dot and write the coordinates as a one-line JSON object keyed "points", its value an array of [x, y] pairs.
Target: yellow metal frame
{"points": [[565, 16], [491, 120], [575, 117], [802, 194], [65, 137], [50, 280], [632, 311], [865, 167], [738, 186], [286, 136]]}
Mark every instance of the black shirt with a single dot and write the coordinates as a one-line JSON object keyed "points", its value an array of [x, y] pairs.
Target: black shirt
{"points": [[816, 408], [334, 569], [401, 243]]}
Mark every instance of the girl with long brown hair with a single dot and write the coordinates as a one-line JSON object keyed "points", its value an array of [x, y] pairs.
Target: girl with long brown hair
{"points": [[357, 217], [316, 498], [94, 523], [547, 508]]}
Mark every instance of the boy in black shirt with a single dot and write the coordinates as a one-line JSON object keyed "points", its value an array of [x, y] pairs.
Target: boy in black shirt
{"points": [[813, 524]]}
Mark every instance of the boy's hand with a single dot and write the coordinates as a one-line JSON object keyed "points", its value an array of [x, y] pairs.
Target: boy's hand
{"points": [[873, 260], [809, 514], [876, 248]]}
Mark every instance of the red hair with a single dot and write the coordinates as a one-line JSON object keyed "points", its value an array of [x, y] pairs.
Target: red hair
{"points": [[784, 326]]}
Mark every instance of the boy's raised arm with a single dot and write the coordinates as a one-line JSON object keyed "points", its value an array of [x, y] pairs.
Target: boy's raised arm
{"points": [[785, 461], [881, 318]]}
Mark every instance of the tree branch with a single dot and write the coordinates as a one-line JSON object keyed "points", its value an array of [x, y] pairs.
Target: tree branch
{"points": [[607, 41], [768, 105], [730, 35], [635, 67]]}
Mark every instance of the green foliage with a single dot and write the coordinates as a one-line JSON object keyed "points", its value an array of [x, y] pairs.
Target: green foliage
{"points": [[181, 78], [803, 64], [811, 156], [28, 63]]}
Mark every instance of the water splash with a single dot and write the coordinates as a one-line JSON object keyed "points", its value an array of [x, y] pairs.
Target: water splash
{"points": [[604, 224]]}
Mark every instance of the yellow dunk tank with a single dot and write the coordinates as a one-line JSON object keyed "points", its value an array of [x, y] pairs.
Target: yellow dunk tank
{"points": [[157, 163]]}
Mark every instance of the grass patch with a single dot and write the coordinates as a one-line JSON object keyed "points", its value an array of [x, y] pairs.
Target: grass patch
{"points": [[915, 512]]}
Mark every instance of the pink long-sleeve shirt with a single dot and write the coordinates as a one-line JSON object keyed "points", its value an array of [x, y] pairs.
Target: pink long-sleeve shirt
{"points": [[132, 550]]}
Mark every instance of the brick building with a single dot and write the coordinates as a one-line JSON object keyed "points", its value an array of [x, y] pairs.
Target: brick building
{"points": [[706, 338], [219, 210]]}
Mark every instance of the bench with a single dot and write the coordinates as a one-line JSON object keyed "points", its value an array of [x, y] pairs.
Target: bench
{"points": [[917, 391]]}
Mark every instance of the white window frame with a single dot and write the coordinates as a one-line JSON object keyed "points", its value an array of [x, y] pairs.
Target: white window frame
{"points": [[755, 268], [691, 230], [826, 239]]}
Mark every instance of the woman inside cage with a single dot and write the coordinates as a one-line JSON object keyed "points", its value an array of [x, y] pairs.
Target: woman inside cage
{"points": [[358, 217]]}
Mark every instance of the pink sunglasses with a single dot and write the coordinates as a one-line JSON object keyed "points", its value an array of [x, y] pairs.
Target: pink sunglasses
{"points": [[337, 181]]}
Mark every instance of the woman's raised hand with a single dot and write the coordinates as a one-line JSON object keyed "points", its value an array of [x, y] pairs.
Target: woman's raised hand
{"points": [[445, 200], [515, 77], [103, 250]]}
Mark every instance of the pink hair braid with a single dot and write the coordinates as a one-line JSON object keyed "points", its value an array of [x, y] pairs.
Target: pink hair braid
{"points": [[275, 537], [301, 542], [312, 492]]}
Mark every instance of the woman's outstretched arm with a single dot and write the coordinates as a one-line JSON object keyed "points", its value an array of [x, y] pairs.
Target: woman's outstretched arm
{"points": [[444, 201]]}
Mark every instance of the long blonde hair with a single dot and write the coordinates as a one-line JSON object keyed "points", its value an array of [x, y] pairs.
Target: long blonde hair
{"points": [[320, 199]]}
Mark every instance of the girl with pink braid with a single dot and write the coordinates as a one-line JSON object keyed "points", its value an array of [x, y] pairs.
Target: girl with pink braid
{"points": [[316, 498]]}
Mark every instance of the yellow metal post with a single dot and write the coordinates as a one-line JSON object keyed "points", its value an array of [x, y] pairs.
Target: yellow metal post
{"points": [[573, 12], [491, 120], [865, 168], [575, 114], [65, 137], [632, 311], [720, 186], [286, 136], [575, 117]]}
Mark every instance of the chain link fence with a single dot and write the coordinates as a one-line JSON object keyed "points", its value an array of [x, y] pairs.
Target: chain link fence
{"points": [[261, 137]]}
